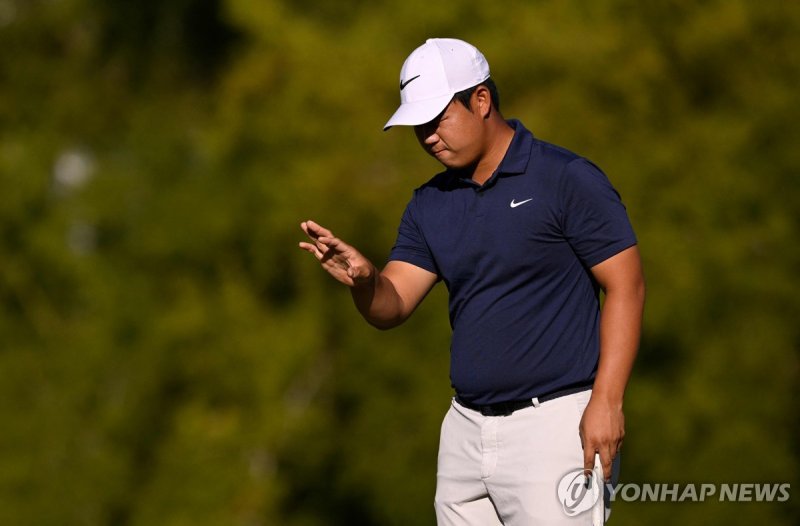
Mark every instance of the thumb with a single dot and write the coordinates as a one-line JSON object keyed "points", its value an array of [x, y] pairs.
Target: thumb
{"points": [[359, 273], [356, 272]]}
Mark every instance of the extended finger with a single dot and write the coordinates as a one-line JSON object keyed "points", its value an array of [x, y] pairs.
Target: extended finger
{"points": [[588, 458], [317, 230], [323, 242], [311, 247], [335, 256], [333, 242], [606, 456], [304, 226], [310, 232]]}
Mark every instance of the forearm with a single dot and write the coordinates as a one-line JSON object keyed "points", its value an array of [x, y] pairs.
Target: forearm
{"points": [[620, 330], [378, 301], [385, 298]]}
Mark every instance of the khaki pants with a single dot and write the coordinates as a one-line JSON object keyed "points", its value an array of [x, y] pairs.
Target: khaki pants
{"points": [[496, 470]]}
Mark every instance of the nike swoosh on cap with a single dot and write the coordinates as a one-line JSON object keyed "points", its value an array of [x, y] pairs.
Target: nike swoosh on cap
{"points": [[404, 84]]}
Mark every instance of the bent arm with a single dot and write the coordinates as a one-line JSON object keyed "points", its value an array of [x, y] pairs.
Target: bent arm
{"points": [[385, 299], [392, 295]]}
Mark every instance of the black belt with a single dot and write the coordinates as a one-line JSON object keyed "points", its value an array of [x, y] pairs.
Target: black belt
{"points": [[506, 408]]}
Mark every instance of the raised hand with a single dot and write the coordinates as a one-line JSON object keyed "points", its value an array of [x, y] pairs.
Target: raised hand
{"points": [[339, 259]]}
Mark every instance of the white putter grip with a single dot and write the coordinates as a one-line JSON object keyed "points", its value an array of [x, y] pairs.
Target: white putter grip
{"points": [[598, 510]]}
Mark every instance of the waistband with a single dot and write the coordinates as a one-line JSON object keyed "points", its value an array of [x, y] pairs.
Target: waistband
{"points": [[506, 408]]}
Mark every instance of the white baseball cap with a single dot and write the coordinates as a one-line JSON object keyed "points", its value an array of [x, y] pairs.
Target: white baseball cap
{"points": [[432, 74]]}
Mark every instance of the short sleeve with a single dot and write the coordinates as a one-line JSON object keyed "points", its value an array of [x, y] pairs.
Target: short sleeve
{"points": [[594, 220], [410, 246]]}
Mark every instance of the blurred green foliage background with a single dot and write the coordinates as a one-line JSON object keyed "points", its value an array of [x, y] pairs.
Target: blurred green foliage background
{"points": [[169, 357]]}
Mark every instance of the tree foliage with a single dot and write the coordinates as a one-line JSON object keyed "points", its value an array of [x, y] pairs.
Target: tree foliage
{"points": [[167, 356]]}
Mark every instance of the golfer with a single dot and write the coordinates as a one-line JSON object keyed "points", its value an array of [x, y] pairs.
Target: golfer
{"points": [[524, 235]]}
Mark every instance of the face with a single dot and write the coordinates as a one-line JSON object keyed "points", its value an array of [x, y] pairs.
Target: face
{"points": [[455, 137]]}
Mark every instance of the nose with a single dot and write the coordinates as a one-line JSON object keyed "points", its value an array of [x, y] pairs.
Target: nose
{"points": [[426, 133]]}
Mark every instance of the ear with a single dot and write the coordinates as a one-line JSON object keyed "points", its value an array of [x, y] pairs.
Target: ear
{"points": [[482, 101]]}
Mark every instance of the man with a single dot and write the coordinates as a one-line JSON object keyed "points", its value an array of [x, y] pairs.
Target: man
{"points": [[524, 234]]}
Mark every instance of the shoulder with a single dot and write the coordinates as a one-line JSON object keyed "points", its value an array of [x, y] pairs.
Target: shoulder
{"points": [[563, 165], [539, 151], [549, 165], [552, 154]]}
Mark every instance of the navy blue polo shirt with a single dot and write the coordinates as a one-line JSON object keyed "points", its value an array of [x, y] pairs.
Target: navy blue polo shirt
{"points": [[515, 255]]}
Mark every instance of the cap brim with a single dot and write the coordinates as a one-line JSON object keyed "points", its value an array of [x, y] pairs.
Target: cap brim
{"points": [[420, 112]]}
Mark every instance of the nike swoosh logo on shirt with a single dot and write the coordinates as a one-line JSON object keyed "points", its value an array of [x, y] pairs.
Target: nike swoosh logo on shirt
{"points": [[404, 84], [514, 205]]}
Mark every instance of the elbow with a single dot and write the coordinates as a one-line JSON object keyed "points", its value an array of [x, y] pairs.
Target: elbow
{"points": [[384, 324]]}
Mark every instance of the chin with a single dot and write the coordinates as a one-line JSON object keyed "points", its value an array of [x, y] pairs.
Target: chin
{"points": [[449, 162], [454, 165]]}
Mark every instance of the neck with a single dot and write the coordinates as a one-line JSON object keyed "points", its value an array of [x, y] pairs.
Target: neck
{"points": [[500, 135]]}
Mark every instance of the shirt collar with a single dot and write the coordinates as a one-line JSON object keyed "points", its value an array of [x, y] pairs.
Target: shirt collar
{"points": [[519, 151]]}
